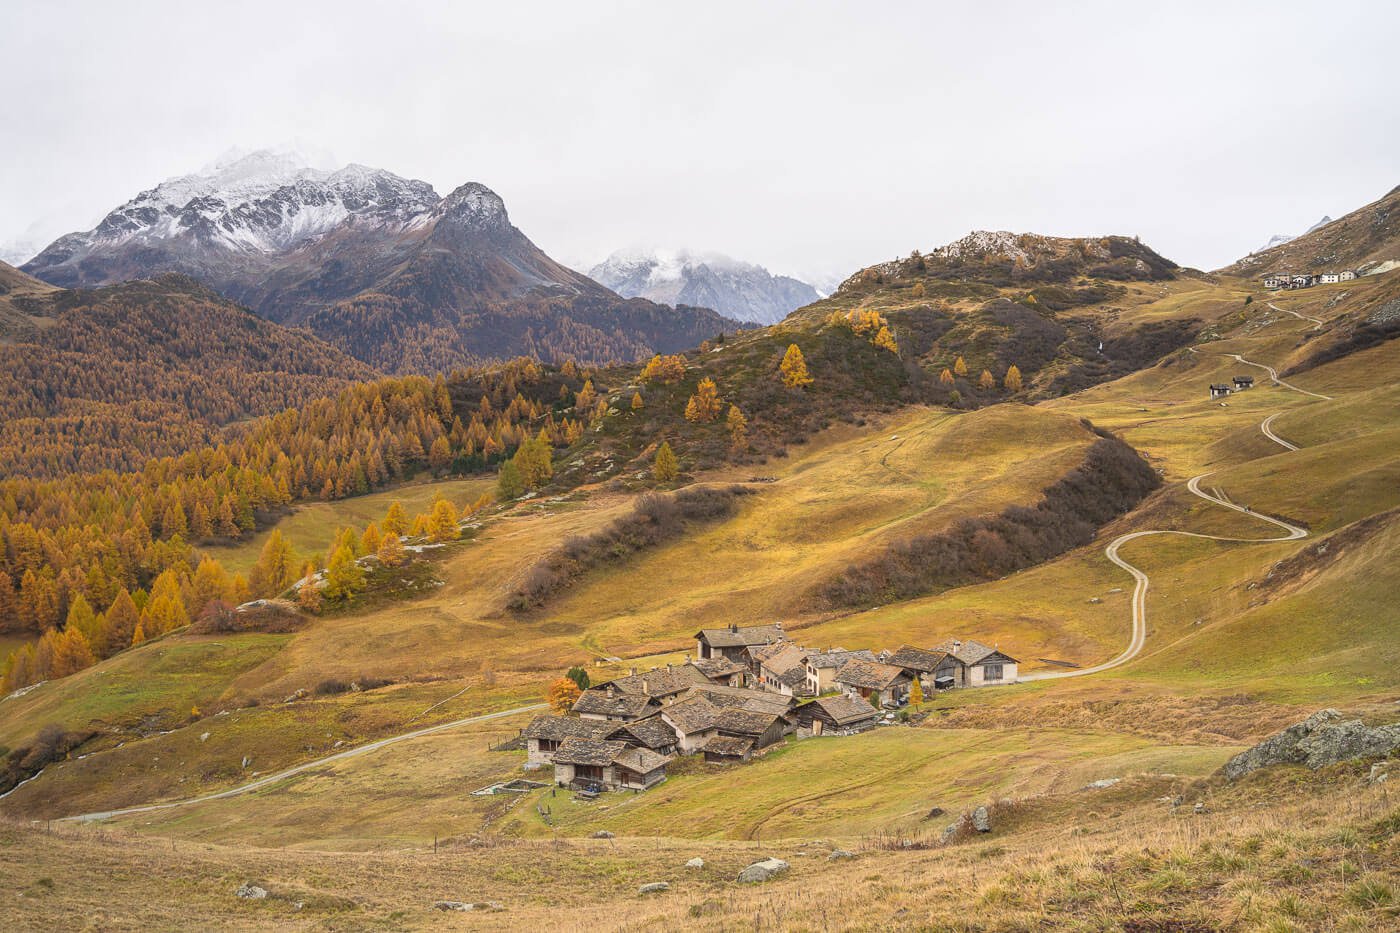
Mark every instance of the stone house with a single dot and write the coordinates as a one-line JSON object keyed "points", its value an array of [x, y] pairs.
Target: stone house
{"points": [[782, 668], [1243, 382], [609, 704], [595, 765], [1219, 390], [823, 665], [880, 684], [734, 642], [545, 734], [934, 669], [980, 665], [836, 715]]}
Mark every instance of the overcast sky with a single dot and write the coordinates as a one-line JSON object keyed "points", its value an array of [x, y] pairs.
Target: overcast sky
{"points": [[811, 137]]}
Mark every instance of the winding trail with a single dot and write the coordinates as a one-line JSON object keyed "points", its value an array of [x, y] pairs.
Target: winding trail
{"points": [[305, 766], [1301, 317], [1141, 580]]}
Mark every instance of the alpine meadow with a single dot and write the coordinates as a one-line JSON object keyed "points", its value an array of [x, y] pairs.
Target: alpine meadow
{"points": [[748, 546]]}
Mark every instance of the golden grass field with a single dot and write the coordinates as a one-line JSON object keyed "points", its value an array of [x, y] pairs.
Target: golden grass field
{"points": [[1242, 639]]}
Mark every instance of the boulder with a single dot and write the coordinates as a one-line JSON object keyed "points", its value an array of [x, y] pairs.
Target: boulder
{"points": [[953, 829], [1317, 741], [838, 854], [763, 870], [695, 863], [602, 834], [1101, 784], [981, 820], [654, 887], [465, 907], [251, 891], [1379, 772]]}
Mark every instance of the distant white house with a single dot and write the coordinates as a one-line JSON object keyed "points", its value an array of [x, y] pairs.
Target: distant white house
{"points": [[1329, 278]]}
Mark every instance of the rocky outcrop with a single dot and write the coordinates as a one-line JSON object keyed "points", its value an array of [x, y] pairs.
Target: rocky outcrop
{"points": [[763, 871], [1320, 740], [655, 887], [251, 892]]}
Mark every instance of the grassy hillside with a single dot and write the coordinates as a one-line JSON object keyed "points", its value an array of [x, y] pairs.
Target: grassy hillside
{"points": [[1242, 639]]}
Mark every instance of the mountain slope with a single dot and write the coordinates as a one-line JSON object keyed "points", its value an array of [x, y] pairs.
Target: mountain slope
{"points": [[21, 304], [1367, 240], [377, 264], [739, 290], [106, 379]]}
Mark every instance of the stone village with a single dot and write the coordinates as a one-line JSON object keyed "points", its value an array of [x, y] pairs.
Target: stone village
{"points": [[746, 689]]}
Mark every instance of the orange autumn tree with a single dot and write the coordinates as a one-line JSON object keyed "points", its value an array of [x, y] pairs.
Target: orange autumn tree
{"points": [[562, 695], [794, 368], [1012, 382], [704, 404]]}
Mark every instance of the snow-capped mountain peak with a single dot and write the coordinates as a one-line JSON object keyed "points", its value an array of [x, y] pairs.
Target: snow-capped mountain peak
{"points": [[740, 290], [262, 201]]}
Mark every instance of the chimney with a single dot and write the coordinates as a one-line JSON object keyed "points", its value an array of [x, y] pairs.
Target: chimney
{"points": [[778, 626], [632, 671], [645, 688], [734, 626], [612, 689]]}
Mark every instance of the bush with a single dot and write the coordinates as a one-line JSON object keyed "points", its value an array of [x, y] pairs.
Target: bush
{"points": [[331, 686], [655, 518], [1112, 479]]}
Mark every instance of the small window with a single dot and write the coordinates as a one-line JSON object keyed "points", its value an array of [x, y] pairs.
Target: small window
{"points": [[991, 672]]}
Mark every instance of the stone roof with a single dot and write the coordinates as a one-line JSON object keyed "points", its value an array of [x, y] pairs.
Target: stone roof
{"points": [[872, 675], [557, 728], [729, 746], [755, 700], [576, 751], [641, 760], [786, 658], [917, 659], [597, 702], [657, 682], [741, 636], [691, 715], [971, 652], [845, 710], [717, 667], [836, 657], [761, 654], [651, 732], [744, 722]]}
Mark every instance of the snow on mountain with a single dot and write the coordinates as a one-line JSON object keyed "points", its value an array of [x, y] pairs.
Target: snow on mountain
{"points": [[739, 290], [260, 202], [1278, 239]]}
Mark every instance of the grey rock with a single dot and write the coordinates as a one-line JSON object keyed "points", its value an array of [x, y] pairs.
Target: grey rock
{"points": [[204, 737], [1379, 772], [1317, 741], [981, 820], [763, 870], [602, 834], [465, 907], [1095, 600], [953, 829], [695, 863], [247, 760], [1200, 807], [654, 887], [251, 891], [838, 854], [1099, 785]]}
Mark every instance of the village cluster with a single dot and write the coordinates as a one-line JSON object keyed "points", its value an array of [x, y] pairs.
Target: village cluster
{"points": [[1306, 280], [744, 691]]}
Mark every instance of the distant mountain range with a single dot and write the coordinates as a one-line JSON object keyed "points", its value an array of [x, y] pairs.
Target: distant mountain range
{"points": [[1365, 241], [736, 289], [380, 265]]}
